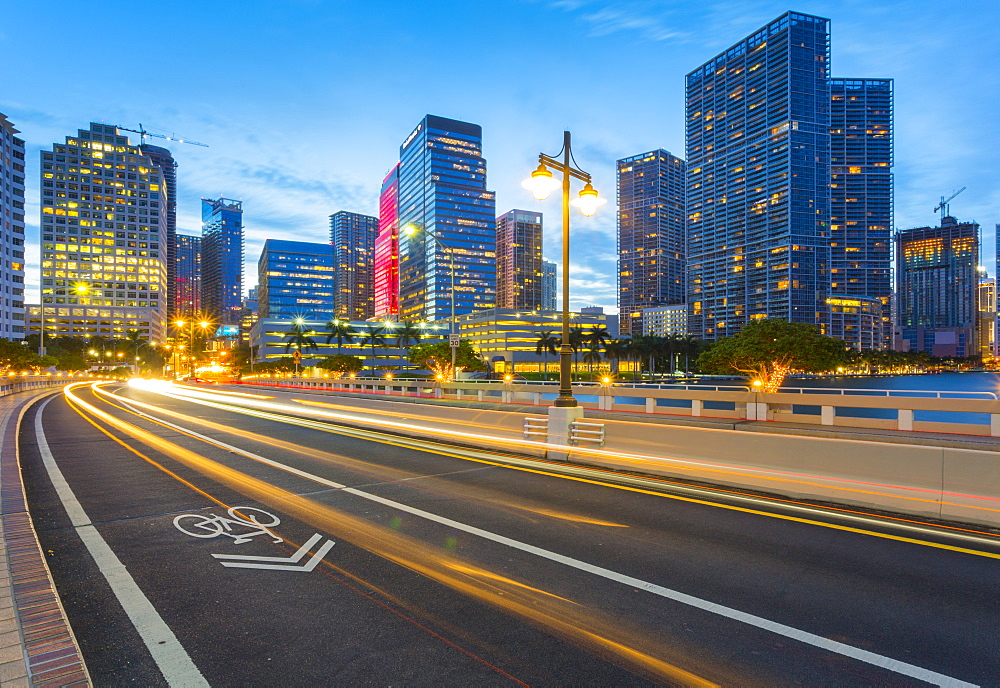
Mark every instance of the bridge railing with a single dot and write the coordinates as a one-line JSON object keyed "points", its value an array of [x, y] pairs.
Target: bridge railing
{"points": [[921, 410]]}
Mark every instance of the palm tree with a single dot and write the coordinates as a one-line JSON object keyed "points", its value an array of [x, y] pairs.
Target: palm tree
{"points": [[577, 338], [342, 331], [375, 336], [406, 336], [299, 338], [616, 350], [596, 340], [545, 345], [634, 352]]}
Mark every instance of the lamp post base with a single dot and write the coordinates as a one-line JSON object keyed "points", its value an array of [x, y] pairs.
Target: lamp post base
{"points": [[560, 420]]}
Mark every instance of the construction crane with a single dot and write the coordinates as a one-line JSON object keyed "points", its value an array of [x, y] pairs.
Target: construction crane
{"points": [[943, 205], [143, 133]]}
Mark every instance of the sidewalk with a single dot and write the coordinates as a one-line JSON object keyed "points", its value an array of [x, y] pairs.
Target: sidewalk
{"points": [[37, 646]]}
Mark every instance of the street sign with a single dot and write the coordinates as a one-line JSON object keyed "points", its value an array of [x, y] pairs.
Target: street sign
{"points": [[297, 356], [454, 340]]}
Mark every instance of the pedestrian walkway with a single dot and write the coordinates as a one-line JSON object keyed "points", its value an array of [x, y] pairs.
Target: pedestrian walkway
{"points": [[37, 646]]}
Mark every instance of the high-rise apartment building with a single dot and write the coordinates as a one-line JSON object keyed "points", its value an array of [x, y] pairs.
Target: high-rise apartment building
{"points": [[936, 288], [103, 226], [769, 136], [519, 260], [187, 276], [758, 197], [548, 285], [651, 255], [352, 236], [861, 159], [443, 197], [162, 158], [296, 279], [12, 322], [386, 278], [987, 304], [222, 259]]}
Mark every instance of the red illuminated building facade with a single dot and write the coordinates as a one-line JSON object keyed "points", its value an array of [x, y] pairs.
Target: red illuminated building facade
{"points": [[387, 248]]}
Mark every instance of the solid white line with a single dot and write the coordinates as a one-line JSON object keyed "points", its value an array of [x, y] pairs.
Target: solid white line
{"points": [[872, 658], [170, 656]]}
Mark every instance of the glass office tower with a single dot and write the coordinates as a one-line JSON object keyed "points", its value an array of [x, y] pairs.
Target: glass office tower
{"points": [[549, 291], [103, 232], [187, 277], [352, 236], [162, 158], [222, 260], [758, 197], [651, 253], [519, 260], [12, 321], [296, 279], [386, 283], [442, 188], [861, 197], [936, 288]]}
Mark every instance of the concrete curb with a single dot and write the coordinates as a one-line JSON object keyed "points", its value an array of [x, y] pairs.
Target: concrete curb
{"points": [[37, 645]]}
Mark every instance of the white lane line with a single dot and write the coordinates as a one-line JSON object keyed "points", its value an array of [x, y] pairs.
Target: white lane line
{"points": [[932, 677], [170, 656]]}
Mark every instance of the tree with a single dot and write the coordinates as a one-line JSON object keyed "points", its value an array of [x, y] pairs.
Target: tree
{"points": [[406, 336], [436, 358], [769, 349], [342, 331], [15, 357], [616, 350], [545, 345], [72, 363], [577, 339], [341, 364], [375, 336], [298, 338], [596, 340]]}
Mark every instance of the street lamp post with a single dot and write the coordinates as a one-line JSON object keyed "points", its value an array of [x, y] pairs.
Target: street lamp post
{"points": [[541, 184], [410, 230]]}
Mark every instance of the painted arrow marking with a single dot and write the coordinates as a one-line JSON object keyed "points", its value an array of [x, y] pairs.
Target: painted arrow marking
{"points": [[280, 563]]}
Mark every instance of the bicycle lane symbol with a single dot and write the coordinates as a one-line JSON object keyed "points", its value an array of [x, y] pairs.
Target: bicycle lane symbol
{"points": [[244, 524]]}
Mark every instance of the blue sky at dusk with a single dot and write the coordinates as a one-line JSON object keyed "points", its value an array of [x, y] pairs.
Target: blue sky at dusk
{"points": [[304, 103]]}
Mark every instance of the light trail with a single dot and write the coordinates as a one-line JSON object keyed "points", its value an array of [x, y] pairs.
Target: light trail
{"points": [[539, 609], [637, 461], [601, 635]]}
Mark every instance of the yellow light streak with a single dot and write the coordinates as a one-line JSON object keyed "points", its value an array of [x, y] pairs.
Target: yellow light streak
{"points": [[566, 619], [635, 461], [373, 436]]}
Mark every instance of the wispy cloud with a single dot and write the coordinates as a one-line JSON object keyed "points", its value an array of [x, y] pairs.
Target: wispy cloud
{"points": [[651, 20]]}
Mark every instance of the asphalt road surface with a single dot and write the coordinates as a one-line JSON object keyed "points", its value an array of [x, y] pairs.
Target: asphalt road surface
{"points": [[357, 558]]}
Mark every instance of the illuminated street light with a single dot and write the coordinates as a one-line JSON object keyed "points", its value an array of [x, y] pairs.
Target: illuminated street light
{"points": [[541, 184]]}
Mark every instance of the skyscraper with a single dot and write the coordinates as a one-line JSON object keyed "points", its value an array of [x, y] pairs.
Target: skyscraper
{"points": [[222, 259], [936, 288], [353, 238], [386, 282], [519, 260], [442, 193], [548, 285], [162, 158], [861, 198], [296, 279], [763, 119], [758, 162], [104, 268], [187, 276], [12, 321], [651, 253]]}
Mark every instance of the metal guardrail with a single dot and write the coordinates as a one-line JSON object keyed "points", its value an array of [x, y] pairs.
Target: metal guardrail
{"points": [[916, 393], [593, 433], [535, 427]]}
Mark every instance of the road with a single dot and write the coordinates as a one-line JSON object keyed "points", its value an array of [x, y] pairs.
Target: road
{"points": [[401, 561]]}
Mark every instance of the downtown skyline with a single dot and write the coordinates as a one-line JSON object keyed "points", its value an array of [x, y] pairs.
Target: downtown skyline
{"points": [[309, 149]]}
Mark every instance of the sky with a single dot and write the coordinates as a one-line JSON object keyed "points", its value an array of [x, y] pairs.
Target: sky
{"points": [[303, 103]]}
